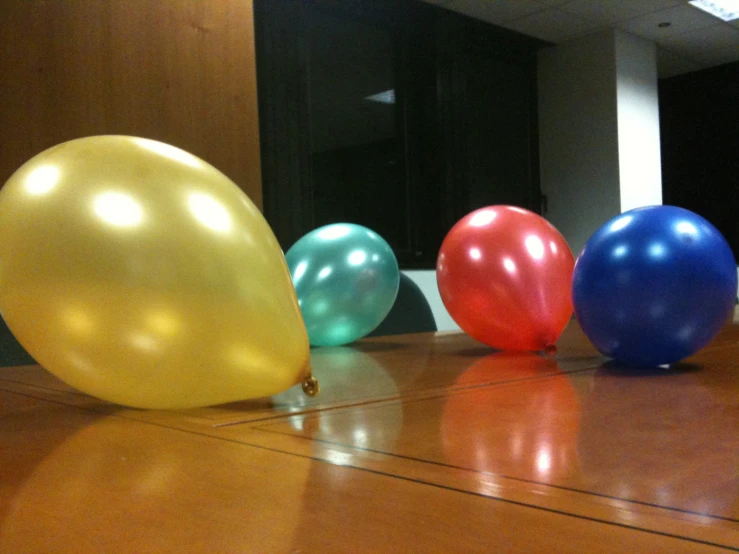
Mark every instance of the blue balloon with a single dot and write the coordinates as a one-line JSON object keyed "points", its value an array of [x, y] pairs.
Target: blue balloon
{"points": [[654, 285], [346, 278]]}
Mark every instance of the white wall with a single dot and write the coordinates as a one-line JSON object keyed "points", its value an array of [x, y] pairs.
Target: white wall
{"points": [[578, 135], [426, 281], [598, 131], [640, 169]]}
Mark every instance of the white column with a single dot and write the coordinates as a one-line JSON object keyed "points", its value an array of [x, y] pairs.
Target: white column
{"points": [[640, 169]]}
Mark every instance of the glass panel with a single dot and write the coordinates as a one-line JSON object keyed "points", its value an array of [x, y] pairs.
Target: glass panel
{"points": [[355, 111], [498, 133]]}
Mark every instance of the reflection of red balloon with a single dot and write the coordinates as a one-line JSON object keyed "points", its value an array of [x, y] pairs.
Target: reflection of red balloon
{"points": [[505, 275], [526, 429]]}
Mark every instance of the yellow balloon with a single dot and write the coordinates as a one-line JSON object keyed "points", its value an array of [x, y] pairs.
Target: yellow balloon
{"points": [[140, 274]]}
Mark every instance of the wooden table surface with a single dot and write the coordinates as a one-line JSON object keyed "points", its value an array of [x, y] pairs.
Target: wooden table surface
{"points": [[418, 443]]}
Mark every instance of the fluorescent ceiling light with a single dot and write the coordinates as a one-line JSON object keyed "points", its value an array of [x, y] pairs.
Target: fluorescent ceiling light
{"points": [[727, 10], [387, 97]]}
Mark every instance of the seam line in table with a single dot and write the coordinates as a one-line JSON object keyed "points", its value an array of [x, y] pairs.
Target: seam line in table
{"points": [[519, 479], [402, 478]]}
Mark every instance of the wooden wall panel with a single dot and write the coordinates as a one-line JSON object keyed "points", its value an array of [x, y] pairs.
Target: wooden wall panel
{"points": [[179, 71]]}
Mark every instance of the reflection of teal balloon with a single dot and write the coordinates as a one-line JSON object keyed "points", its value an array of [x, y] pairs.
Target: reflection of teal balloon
{"points": [[346, 278]]}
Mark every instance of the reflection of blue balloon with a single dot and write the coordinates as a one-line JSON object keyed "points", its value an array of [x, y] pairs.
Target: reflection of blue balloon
{"points": [[654, 285], [346, 278]]}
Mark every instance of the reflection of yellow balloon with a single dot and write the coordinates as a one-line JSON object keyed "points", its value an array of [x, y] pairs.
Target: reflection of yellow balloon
{"points": [[118, 487], [140, 274]]}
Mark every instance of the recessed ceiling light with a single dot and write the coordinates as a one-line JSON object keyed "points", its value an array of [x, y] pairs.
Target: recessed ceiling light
{"points": [[727, 10], [387, 97]]}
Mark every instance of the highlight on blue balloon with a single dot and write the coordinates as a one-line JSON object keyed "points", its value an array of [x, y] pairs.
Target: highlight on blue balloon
{"points": [[654, 285], [346, 278]]}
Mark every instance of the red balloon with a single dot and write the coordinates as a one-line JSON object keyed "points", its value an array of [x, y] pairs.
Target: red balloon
{"points": [[505, 276]]}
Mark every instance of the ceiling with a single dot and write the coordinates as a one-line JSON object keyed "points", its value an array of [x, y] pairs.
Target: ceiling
{"points": [[693, 39]]}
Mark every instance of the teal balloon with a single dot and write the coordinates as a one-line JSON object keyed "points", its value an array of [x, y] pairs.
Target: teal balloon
{"points": [[346, 278]]}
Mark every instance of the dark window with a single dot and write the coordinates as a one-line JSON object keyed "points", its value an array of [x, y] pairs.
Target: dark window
{"points": [[699, 136], [356, 125], [400, 116]]}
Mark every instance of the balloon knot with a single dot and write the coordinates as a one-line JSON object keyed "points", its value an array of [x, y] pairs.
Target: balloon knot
{"points": [[311, 387], [550, 350]]}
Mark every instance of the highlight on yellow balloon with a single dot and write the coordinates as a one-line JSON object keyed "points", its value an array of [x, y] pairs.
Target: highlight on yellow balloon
{"points": [[140, 274]]}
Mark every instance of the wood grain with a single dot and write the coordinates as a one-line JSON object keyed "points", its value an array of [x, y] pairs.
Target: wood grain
{"points": [[110, 484], [179, 71], [425, 443]]}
